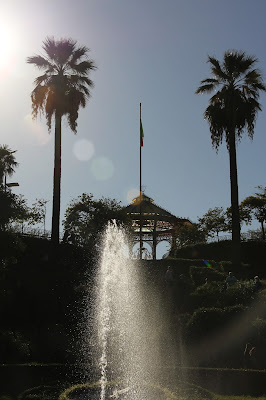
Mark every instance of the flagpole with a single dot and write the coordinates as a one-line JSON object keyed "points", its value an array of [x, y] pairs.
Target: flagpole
{"points": [[140, 190]]}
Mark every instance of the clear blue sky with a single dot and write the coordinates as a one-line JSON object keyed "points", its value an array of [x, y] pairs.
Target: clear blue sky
{"points": [[147, 51]]}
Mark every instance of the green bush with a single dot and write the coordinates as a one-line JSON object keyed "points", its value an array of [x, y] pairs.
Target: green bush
{"points": [[205, 295], [198, 275], [260, 327], [210, 319], [242, 293], [214, 251], [253, 254]]}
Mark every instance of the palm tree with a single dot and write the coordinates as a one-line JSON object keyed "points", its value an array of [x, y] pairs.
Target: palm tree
{"points": [[7, 162], [232, 109], [60, 91]]}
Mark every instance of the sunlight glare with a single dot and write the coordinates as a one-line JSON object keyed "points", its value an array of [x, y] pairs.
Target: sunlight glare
{"points": [[9, 47], [132, 194], [36, 131]]}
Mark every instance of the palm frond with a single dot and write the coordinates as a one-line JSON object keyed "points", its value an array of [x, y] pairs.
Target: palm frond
{"points": [[216, 69], [234, 107], [205, 88], [211, 80], [59, 50], [41, 79], [237, 63], [78, 53], [77, 80], [39, 61], [64, 86], [83, 67], [49, 46], [38, 97]]}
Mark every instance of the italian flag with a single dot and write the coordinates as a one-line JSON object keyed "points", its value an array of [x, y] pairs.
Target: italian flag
{"points": [[141, 134]]}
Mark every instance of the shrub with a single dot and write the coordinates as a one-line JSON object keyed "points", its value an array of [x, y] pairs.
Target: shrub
{"points": [[205, 295], [260, 327], [206, 320], [215, 251], [198, 275], [242, 293]]}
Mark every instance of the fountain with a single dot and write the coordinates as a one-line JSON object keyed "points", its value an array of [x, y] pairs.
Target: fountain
{"points": [[131, 341], [128, 319]]}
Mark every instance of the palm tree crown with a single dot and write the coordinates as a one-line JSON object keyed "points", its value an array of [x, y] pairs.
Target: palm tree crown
{"points": [[64, 86], [234, 106], [7, 162]]}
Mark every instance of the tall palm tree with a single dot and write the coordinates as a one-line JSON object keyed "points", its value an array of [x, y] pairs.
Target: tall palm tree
{"points": [[232, 109], [60, 91], [7, 162]]}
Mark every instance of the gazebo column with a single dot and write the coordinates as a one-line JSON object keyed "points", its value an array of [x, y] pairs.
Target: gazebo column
{"points": [[154, 240]]}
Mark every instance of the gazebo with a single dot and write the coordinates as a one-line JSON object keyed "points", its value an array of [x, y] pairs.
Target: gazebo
{"points": [[156, 224]]}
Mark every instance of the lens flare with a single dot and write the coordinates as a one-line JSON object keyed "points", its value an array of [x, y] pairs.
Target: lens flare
{"points": [[102, 168], [207, 264], [83, 150]]}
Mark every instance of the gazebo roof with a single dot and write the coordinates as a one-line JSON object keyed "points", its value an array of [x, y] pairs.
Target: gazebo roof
{"points": [[151, 211]]}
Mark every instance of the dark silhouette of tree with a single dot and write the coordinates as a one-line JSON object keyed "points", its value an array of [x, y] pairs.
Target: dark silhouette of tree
{"points": [[190, 234], [13, 208], [7, 162], [244, 216], [38, 212], [86, 218], [213, 222], [60, 91], [232, 109], [256, 205]]}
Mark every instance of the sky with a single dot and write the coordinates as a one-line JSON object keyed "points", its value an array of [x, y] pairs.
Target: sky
{"points": [[151, 52]]}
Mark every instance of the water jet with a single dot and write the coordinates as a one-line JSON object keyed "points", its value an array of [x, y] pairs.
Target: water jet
{"points": [[129, 324]]}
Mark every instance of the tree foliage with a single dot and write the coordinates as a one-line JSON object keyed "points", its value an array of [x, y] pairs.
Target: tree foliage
{"points": [[13, 208], [234, 105], [189, 234], [86, 218], [7, 162], [244, 216], [213, 222], [38, 212], [64, 85], [256, 207]]}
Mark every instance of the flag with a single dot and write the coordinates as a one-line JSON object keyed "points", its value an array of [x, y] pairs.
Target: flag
{"points": [[141, 134]]}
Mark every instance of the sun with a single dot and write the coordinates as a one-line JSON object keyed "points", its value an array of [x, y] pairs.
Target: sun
{"points": [[8, 49]]}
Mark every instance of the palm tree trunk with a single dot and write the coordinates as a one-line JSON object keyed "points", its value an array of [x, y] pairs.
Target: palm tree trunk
{"points": [[236, 241], [57, 181]]}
